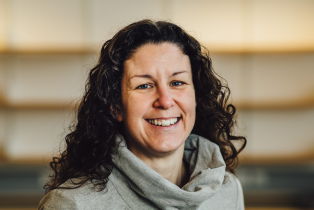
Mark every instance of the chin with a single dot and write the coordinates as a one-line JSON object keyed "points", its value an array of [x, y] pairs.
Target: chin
{"points": [[167, 147]]}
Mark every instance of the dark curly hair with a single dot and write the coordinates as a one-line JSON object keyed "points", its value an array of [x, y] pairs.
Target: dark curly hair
{"points": [[91, 142]]}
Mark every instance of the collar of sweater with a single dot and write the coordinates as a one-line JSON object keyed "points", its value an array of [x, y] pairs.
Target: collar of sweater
{"points": [[206, 166]]}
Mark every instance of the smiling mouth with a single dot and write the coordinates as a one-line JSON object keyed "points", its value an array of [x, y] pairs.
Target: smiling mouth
{"points": [[164, 122]]}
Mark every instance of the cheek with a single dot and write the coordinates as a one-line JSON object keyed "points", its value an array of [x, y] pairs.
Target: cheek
{"points": [[190, 108], [188, 99], [135, 106]]}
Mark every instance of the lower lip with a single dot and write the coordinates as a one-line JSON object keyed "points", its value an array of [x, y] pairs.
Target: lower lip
{"points": [[169, 126]]}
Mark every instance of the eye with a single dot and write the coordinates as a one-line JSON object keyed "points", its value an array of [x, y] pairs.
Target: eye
{"points": [[177, 83], [144, 86]]}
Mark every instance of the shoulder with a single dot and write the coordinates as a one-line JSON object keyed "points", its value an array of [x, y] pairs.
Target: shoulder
{"points": [[56, 199], [234, 181], [234, 187], [229, 196], [196, 141], [84, 197]]}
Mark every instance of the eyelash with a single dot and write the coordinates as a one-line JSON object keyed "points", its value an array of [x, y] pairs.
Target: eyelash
{"points": [[181, 83], [144, 86]]}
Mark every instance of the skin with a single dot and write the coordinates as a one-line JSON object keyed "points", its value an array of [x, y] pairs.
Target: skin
{"points": [[157, 84]]}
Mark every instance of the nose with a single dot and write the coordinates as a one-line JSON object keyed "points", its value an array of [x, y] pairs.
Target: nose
{"points": [[164, 99]]}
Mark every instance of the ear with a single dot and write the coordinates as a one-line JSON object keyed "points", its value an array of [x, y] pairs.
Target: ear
{"points": [[119, 117], [117, 113]]}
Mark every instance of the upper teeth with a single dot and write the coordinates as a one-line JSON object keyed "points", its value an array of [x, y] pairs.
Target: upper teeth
{"points": [[163, 122]]}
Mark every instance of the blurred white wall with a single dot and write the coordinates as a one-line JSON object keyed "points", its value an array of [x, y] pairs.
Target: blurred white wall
{"points": [[264, 48]]}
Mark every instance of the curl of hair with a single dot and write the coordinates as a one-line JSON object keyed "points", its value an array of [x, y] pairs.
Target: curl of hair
{"points": [[91, 143]]}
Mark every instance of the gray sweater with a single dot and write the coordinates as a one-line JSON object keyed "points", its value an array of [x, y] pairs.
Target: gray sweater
{"points": [[133, 185]]}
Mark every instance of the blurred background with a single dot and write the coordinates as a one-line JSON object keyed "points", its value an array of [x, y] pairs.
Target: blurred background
{"points": [[263, 48]]}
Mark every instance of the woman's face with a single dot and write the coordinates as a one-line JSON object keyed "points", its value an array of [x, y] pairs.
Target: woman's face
{"points": [[158, 99]]}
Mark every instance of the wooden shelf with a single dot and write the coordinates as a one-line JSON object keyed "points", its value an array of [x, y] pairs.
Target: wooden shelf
{"points": [[300, 158], [42, 105], [276, 208], [302, 103], [57, 50], [26, 161], [306, 158], [259, 49], [38, 105], [305, 103], [2, 101], [213, 49]]}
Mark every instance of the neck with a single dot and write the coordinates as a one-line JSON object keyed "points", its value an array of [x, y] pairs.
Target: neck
{"points": [[174, 172], [171, 167]]}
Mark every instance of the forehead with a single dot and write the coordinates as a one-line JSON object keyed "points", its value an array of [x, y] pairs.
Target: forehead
{"points": [[154, 58]]}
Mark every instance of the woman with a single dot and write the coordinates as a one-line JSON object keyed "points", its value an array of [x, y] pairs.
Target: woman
{"points": [[154, 130]]}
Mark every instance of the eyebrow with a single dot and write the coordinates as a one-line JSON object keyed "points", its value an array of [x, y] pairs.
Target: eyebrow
{"points": [[151, 77]]}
